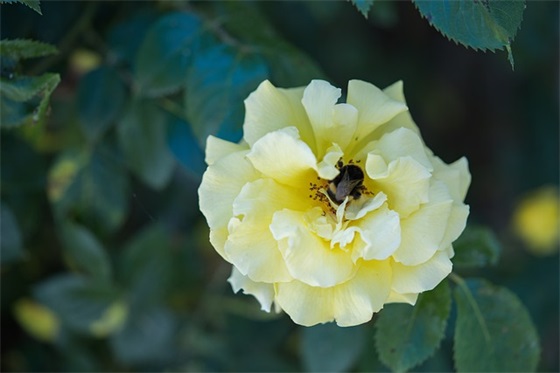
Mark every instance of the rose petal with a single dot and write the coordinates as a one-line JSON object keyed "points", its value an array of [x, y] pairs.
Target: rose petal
{"points": [[263, 292], [422, 277], [331, 122], [374, 106], [380, 232], [406, 183], [221, 183], [395, 92], [250, 245], [403, 142], [217, 148], [350, 303], [268, 109], [422, 233], [309, 257], [282, 156], [455, 175], [395, 297]]}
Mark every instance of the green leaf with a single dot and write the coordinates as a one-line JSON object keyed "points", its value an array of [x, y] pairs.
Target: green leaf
{"points": [[148, 337], [19, 49], [146, 266], [79, 303], [363, 6], [11, 242], [142, 137], [217, 83], [165, 53], [101, 97], [25, 98], [406, 335], [91, 187], [33, 4], [287, 65], [185, 147], [85, 251], [477, 24], [493, 331], [330, 348], [477, 247]]}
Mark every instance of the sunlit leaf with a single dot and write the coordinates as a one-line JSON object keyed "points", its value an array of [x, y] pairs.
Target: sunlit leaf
{"points": [[165, 53], [485, 25], [85, 251], [363, 6], [11, 241], [218, 81], [476, 247], [493, 332], [77, 302], [142, 137], [19, 49], [101, 98], [38, 320], [90, 186], [407, 335], [330, 348]]}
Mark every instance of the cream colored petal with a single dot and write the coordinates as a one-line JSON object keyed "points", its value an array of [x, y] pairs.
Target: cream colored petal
{"points": [[409, 298], [218, 239], [345, 123], [422, 277], [250, 245], [374, 107], [327, 167], [318, 100], [456, 224], [360, 207], [309, 257], [422, 233], [403, 142], [252, 249], [282, 156], [268, 109], [455, 175], [406, 183], [217, 148], [395, 91], [380, 232], [221, 183], [351, 303], [263, 292]]}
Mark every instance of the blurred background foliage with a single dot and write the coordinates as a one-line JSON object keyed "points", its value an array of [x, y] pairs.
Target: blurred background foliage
{"points": [[106, 264]]}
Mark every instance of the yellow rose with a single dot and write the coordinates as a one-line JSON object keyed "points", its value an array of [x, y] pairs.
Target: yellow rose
{"points": [[331, 210]]}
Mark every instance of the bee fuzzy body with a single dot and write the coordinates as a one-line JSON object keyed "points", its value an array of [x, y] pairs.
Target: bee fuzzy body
{"points": [[348, 183]]}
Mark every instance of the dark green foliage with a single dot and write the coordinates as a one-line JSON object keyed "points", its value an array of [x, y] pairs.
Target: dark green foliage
{"points": [[101, 97], [476, 247], [484, 25], [101, 161], [330, 348], [406, 335], [493, 331]]}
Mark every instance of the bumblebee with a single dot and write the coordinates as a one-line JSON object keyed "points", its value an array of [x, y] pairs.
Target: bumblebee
{"points": [[347, 183]]}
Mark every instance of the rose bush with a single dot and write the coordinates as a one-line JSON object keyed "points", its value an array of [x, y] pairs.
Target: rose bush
{"points": [[330, 210]]}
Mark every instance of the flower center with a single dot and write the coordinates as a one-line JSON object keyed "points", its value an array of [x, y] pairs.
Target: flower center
{"points": [[347, 184]]}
